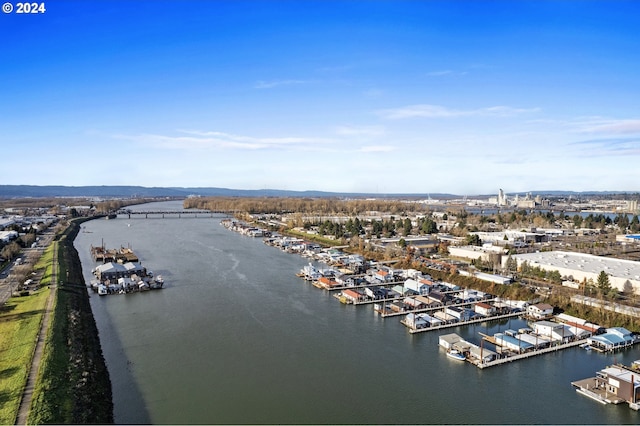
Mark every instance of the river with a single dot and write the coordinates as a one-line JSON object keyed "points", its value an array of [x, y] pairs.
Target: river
{"points": [[236, 338]]}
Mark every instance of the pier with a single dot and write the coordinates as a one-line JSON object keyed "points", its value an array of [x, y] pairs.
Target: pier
{"points": [[591, 388], [386, 314], [462, 323], [123, 254], [530, 354]]}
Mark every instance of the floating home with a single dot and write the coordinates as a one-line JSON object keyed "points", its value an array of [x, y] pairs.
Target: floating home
{"points": [[478, 355], [613, 385], [614, 338], [120, 278], [112, 271]]}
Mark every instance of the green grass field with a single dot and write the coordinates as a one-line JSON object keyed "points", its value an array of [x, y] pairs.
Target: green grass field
{"points": [[20, 320], [45, 263]]}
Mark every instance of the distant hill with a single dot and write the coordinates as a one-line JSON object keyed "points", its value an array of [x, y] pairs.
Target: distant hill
{"points": [[107, 191], [25, 191]]}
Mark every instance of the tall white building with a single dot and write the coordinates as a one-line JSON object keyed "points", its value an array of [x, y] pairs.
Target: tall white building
{"points": [[502, 199]]}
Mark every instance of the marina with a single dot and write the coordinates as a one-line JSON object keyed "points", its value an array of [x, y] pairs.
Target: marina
{"points": [[228, 305], [426, 305], [102, 255], [121, 273]]}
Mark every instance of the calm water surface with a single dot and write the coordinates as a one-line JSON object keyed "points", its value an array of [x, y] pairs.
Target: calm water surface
{"points": [[236, 337]]}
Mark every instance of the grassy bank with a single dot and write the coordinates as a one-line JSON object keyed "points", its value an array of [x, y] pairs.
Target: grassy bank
{"points": [[73, 384], [315, 238], [20, 320]]}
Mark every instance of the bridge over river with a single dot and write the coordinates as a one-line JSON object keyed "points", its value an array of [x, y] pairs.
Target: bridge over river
{"points": [[149, 214]]}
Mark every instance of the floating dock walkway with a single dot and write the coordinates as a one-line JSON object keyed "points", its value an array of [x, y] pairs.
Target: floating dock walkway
{"points": [[591, 389], [462, 323], [530, 354]]}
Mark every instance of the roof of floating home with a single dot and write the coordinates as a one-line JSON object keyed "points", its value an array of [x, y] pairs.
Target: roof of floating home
{"points": [[622, 374], [512, 340], [110, 267]]}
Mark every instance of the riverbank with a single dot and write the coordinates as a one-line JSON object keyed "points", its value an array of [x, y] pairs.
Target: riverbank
{"points": [[73, 385], [20, 320]]}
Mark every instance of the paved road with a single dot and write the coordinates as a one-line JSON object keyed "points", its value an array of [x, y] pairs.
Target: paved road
{"points": [[25, 402], [5, 289]]}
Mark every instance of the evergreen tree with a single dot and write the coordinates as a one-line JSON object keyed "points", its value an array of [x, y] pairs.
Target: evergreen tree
{"points": [[604, 286], [473, 240]]}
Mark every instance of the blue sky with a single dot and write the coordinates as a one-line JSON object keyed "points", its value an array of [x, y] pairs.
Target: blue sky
{"points": [[461, 97]]}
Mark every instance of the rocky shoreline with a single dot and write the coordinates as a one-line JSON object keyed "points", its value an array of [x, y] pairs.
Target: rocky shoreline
{"points": [[75, 385]]}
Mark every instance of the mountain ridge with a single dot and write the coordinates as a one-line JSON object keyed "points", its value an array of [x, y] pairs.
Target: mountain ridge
{"points": [[131, 191]]}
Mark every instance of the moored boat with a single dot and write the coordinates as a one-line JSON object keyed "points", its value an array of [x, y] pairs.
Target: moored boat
{"points": [[157, 282], [455, 354]]}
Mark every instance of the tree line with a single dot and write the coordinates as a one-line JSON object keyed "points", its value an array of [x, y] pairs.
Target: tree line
{"points": [[283, 205]]}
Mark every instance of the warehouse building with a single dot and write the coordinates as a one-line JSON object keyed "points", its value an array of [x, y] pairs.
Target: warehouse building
{"points": [[624, 275]]}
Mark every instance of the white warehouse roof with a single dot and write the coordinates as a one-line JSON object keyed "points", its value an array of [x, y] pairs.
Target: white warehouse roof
{"points": [[582, 265]]}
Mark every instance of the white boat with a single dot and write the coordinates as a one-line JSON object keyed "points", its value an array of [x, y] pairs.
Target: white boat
{"points": [[157, 282], [455, 354], [102, 289]]}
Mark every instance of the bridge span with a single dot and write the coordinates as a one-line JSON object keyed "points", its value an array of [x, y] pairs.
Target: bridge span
{"points": [[170, 214]]}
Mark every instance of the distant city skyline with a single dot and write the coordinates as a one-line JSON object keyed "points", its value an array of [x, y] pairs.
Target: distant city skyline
{"points": [[460, 97]]}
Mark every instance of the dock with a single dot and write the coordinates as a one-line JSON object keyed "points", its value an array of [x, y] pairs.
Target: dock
{"points": [[592, 389], [122, 255], [386, 314], [615, 384], [121, 272], [529, 354], [461, 323]]}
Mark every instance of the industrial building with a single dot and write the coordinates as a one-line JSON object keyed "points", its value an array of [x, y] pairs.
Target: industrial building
{"points": [[475, 252], [624, 275]]}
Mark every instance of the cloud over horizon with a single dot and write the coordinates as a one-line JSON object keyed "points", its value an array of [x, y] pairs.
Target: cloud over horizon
{"points": [[199, 140], [438, 111]]}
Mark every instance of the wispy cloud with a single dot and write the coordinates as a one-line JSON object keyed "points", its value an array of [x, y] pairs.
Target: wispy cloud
{"points": [[335, 69], [369, 131], [444, 73], [195, 140], [377, 148], [437, 111], [617, 127], [608, 147], [373, 93], [275, 83]]}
